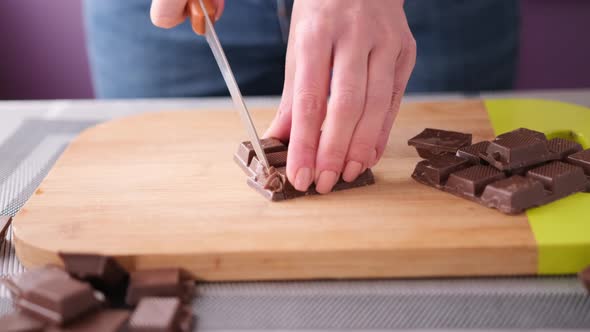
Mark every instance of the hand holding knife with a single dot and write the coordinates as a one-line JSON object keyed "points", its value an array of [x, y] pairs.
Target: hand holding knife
{"points": [[201, 14]]}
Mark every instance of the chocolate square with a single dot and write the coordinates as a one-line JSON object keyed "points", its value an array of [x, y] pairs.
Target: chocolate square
{"points": [[472, 152], [436, 171], [107, 320], [562, 147], [581, 159], [243, 157], [433, 142], [156, 283], [156, 314], [514, 194], [472, 181], [20, 322], [29, 280], [559, 178], [524, 132], [516, 149]]}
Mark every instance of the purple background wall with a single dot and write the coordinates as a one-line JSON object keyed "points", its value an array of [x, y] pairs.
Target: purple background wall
{"points": [[43, 56]]}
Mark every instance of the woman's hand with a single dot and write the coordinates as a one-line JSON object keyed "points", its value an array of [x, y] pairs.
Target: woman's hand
{"points": [[361, 53], [170, 13]]}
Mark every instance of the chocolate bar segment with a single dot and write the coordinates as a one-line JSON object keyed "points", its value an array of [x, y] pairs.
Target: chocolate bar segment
{"points": [[524, 132], [584, 277], [156, 314], [104, 273], [243, 157], [562, 147], [107, 320], [59, 300], [20, 322], [559, 178], [514, 194], [517, 149], [158, 283], [435, 171], [472, 181], [434, 142], [4, 224], [473, 152], [581, 159], [27, 281]]}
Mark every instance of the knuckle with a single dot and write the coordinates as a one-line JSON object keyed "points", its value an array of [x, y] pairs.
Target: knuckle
{"points": [[359, 149], [335, 154], [347, 103], [309, 104], [303, 146]]}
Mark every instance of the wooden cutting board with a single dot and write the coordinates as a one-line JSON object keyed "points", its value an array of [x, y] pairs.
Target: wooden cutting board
{"points": [[161, 189]]}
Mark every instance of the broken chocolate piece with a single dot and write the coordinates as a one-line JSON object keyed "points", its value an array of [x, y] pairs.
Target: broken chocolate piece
{"points": [[524, 132], [559, 178], [20, 322], [25, 282], [4, 224], [581, 159], [104, 273], [246, 153], [472, 181], [562, 147], [156, 314], [584, 277], [517, 149], [514, 194], [156, 283], [107, 320], [59, 300], [473, 152], [435, 171], [433, 142]]}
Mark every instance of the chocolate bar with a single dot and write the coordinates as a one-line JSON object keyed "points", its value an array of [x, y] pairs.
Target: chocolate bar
{"points": [[273, 183], [584, 277], [163, 314], [516, 171], [20, 322], [59, 300], [160, 283], [104, 273], [434, 142], [27, 281], [107, 320], [4, 224]]}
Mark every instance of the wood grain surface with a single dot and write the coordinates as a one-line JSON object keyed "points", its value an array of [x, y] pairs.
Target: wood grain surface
{"points": [[161, 189]]}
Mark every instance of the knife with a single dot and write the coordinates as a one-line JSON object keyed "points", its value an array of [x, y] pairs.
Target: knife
{"points": [[199, 13]]}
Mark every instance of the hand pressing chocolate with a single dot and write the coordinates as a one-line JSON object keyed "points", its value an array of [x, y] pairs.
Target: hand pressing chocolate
{"points": [[361, 53]]}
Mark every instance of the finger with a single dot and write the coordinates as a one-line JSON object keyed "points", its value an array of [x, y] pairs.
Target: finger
{"points": [[313, 51], [403, 71], [197, 15], [167, 13], [349, 84], [281, 125], [364, 140]]}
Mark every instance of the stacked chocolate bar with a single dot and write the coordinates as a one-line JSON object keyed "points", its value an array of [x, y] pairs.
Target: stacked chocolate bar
{"points": [[95, 293], [273, 183], [516, 171]]}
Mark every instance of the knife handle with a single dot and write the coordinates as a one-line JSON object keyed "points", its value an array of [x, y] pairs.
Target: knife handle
{"points": [[197, 16]]}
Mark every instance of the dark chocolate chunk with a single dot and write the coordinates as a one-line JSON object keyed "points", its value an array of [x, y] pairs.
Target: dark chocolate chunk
{"points": [[472, 181], [432, 142], [562, 147], [435, 171], [107, 320], [581, 159], [559, 178], [473, 152], [102, 272], [156, 314], [4, 224], [59, 300], [514, 194], [524, 132], [584, 277], [20, 322], [246, 153], [157, 283], [25, 282], [517, 149]]}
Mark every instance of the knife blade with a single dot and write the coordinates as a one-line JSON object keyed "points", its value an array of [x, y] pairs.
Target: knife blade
{"points": [[232, 86]]}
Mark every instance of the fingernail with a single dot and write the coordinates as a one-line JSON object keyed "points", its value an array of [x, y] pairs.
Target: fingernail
{"points": [[352, 171], [303, 179], [326, 182]]}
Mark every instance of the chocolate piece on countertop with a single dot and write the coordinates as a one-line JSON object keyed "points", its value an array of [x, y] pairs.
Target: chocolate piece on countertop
{"points": [[514, 194], [157, 283], [435, 171], [20, 322], [562, 147], [107, 320], [243, 157], [59, 300], [432, 142], [517, 149], [4, 224], [104, 273], [559, 178], [23, 283], [584, 277], [156, 314], [473, 152]]}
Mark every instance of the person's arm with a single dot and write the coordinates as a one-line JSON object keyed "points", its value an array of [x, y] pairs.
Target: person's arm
{"points": [[361, 53]]}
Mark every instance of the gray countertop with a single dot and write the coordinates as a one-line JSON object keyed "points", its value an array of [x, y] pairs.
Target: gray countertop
{"points": [[34, 133]]}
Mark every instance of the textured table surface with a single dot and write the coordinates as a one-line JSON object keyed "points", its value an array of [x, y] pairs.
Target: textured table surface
{"points": [[33, 134]]}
